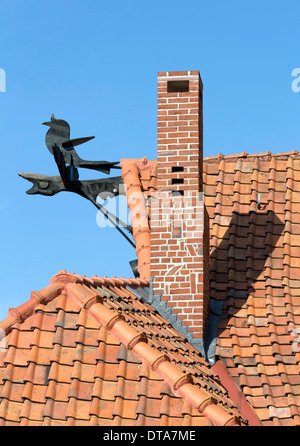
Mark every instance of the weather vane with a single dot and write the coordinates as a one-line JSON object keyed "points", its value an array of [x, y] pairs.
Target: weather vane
{"points": [[62, 148]]}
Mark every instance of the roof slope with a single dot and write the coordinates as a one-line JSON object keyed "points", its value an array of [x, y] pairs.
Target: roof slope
{"points": [[254, 206], [87, 351]]}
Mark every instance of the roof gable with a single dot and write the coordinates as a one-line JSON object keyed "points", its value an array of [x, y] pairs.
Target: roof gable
{"points": [[88, 351]]}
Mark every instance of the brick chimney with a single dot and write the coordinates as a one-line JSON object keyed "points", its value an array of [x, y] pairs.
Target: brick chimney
{"points": [[179, 249]]}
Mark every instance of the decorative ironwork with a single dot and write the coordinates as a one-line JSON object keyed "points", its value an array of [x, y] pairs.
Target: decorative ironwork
{"points": [[67, 160]]}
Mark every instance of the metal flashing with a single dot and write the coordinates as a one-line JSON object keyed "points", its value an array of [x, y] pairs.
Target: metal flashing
{"points": [[215, 311], [146, 295]]}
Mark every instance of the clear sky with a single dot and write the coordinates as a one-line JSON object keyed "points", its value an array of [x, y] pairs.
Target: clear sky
{"points": [[95, 64]]}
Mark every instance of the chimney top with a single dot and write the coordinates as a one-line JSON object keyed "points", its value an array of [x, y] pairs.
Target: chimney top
{"points": [[179, 248]]}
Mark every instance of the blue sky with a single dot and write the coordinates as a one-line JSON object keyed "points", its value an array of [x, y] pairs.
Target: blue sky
{"points": [[95, 64]]}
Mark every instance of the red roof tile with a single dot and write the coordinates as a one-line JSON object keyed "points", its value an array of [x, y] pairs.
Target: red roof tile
{"points": [[87, 351], [253, 202]]}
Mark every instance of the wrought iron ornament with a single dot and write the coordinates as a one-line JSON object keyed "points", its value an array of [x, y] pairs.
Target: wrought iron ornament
{"points": [[67, 160]]}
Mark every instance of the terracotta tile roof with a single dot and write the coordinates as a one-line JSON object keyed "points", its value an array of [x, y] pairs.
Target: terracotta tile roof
{"points": [[87, 351], [254, 206]]}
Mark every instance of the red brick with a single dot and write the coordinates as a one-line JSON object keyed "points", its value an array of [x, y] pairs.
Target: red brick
{"points": [[180, 144]]}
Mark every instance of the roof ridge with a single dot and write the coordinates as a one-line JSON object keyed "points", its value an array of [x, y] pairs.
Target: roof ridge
{"points": [[65, 277], [250, 155], [56, 288], [23, 311], [144, 163], [138, 212]]}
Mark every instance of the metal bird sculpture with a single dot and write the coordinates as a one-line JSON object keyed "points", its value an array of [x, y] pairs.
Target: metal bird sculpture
{"points": [[59, 134], [62, 148]]}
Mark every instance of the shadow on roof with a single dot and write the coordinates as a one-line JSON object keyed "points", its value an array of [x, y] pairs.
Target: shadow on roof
{"points": [[245, 259]]}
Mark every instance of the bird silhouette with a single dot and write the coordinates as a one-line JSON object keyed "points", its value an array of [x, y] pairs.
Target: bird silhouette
{"points": [[59, 135]]}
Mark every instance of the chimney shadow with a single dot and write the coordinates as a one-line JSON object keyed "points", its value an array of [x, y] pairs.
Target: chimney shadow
{"points": [[242, 259]]}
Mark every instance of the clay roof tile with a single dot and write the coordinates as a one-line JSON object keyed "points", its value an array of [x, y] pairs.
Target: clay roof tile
{"points": [[254, 225], [85, 364]]}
